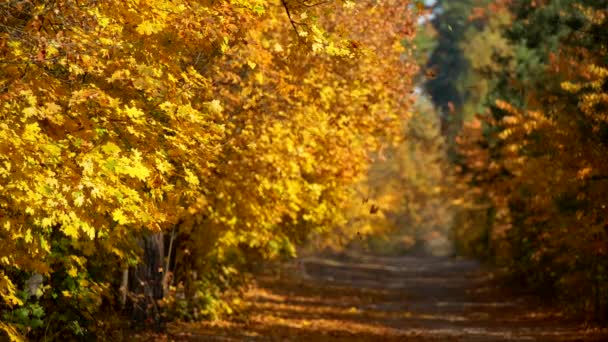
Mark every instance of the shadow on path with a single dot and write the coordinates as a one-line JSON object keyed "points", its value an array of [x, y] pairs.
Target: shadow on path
{"points": [[366, 298]]}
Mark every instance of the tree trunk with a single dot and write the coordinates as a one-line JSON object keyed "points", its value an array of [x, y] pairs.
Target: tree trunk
{"points": [[146, 281]]}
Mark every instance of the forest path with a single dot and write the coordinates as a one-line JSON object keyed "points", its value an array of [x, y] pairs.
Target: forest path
{"points": [[369, 298]]}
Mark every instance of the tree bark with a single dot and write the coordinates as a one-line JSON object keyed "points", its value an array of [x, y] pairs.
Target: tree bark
{"points": [[145, 281]]}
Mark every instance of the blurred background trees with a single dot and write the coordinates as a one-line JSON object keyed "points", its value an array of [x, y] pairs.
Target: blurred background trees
{"points": [[529, 112]]}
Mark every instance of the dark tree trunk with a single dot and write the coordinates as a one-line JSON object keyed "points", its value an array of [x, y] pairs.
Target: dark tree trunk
{"points": [[146, 281]]}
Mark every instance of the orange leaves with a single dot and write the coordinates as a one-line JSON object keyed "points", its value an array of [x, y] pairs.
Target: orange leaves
{"points": [[542, 162]]}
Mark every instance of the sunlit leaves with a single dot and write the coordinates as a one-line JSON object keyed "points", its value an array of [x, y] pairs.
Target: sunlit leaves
{"points": [[149, 27], [125, 118]]}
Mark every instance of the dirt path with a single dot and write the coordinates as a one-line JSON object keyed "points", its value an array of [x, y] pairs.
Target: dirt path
{"points": [[365, 298]]}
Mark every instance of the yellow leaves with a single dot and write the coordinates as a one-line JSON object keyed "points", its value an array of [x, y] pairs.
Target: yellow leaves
{"points": [[189, 113], [30, 112], [340, 50], [72, 272], [571, 87], [259, 77], [191, 178], [317, 47], [193, 77], [8, 290], [318, 35], [130, 164], [327, 95], [52, 112], [149, 128], [121, 74], [78, 198], [163, 165], [591, 94], [75, 69], [5, 169], [349, 4], [73, 226], [10, 330], [84, 95], [598, 71], [47, 222], [111, 149], [103, 22], [278, 48], [135, 169], [28, 236], [321, 42], [53, 151], [32, 132], [224, 46], [15, 47], [134, 114], [119, 216], [147, 27], [289, 145], [167, 107], [398, 47]]}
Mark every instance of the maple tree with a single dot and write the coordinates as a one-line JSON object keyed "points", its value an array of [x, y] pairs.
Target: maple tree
{"points": [[232, 127]]}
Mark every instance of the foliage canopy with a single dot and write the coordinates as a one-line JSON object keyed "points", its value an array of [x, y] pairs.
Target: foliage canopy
{"points": [[228, 123]]}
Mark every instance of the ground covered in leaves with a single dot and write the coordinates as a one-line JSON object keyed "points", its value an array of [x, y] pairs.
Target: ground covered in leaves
{"points": [[367, 298]]}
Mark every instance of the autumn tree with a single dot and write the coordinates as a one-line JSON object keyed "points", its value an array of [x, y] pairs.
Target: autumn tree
{"points": [[229, 129], [538, 158]]}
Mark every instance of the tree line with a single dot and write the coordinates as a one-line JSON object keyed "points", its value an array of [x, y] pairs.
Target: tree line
{"points": [[151, 152], [523, 91]]}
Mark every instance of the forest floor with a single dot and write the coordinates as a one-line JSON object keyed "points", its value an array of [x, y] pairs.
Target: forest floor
{"points": [[369, 298]]}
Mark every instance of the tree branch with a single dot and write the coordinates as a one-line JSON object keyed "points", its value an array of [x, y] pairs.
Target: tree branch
{"points": [[293, 23]]}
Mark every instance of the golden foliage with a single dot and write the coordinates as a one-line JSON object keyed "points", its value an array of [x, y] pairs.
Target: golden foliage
{"points": [[122, 118]]}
